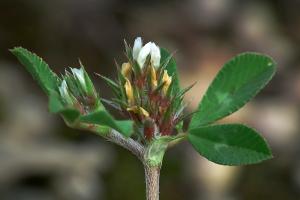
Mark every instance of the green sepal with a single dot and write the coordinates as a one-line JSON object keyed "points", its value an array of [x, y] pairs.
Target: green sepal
{"points": [[171, 67], [90, 89], [182, 92], [179, 127], [121, 82], [72, 84], [113, 85], [128, 50]]}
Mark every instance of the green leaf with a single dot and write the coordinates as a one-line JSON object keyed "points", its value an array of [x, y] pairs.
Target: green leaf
{"points": [[55, 103], [39, 69], [238, 81], [70, 115], [103, 118], [231, 144], [171, 67], [125, 127]]}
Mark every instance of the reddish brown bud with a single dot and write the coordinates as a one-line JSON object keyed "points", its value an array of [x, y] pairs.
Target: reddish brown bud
{"points": [[149, 129], [166, 128]]}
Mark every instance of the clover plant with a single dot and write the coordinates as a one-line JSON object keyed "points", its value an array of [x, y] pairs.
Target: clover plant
{"points": [[147, 92]]}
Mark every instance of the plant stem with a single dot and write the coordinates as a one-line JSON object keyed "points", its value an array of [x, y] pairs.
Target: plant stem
{"points": [[152, 182], [152, 173], [134, 147], [114, 136]]}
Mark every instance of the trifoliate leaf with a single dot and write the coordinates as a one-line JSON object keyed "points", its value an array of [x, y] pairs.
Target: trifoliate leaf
{"points": [[232, 144]]}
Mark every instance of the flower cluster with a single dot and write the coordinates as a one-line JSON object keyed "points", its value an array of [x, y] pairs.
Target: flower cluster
{"points": [[77, 91], [146, 93]]}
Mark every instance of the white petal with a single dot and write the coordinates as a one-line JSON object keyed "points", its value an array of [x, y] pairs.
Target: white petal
{"points": [[64, 93], [79, 73], [145, 51], [155, 55], [63, 89], [138, 43]]}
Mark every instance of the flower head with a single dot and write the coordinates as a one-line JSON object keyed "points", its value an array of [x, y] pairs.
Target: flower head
{"points": [[77, 90], [145, 93]]}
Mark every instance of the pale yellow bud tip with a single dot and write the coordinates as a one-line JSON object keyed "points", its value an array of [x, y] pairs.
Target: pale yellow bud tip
{"points": [[126, 69], [138, 110], [167, 81], [129, 92], [153, 77]]}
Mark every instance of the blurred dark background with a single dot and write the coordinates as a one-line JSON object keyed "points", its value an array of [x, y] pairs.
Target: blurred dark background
{"points": [[42, 159]]}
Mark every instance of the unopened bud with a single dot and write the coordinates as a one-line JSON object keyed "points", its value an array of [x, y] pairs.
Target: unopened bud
{"points": [[126, 69], [153, 77], [149, 129], [138, 110], [167, 81], [129, 92]]}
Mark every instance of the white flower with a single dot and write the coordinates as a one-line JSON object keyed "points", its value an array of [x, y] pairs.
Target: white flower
{"points": [[145, 51], [64, 93], [79, 74], [138, 43], [140, 53], [155, 55]]}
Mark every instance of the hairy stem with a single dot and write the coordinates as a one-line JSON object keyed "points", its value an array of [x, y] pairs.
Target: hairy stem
{"points": [[134, 147], [152, 182], [152, 173], [114, 136]]}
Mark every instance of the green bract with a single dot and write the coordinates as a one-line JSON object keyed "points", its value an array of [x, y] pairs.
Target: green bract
{"points": [[151, 97], [171, 67]]}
